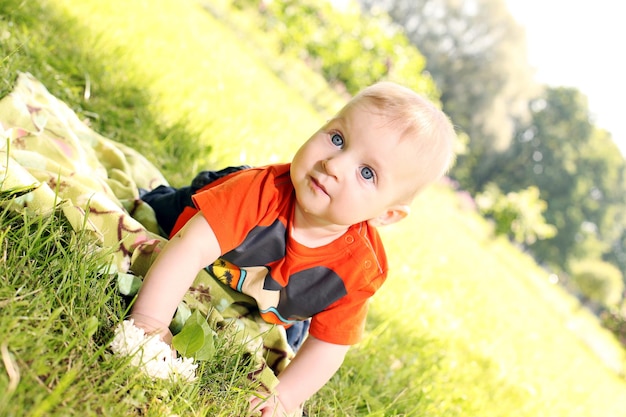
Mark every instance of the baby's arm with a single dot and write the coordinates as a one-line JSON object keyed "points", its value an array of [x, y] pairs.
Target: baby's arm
{"points": [[314, 364], [172, 273]]}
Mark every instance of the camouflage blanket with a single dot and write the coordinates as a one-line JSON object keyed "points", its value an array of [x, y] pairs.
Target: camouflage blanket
{"points": [[50, 159]]}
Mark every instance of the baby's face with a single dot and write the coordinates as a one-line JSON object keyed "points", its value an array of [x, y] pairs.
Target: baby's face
{"points": [[353, 169]]}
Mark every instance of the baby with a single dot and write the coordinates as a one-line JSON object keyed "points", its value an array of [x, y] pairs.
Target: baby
{"points": [[300, 238]]}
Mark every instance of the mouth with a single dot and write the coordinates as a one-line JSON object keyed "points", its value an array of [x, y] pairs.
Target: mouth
{"points": [[315, 184]]}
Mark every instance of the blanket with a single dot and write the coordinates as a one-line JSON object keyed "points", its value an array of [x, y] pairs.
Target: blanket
{"points": [[50, 159]]}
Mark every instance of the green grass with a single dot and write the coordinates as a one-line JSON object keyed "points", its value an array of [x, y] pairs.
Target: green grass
{"points": [[487, 322], [197, 71], [90, 73], [466, 325], [59, 306]]}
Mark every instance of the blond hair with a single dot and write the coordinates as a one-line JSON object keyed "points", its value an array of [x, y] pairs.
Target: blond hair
{"points": [[418, 120]]}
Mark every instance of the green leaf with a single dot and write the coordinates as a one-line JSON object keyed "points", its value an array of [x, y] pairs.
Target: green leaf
{"points": [[189, 340], [128, 284], [207, 351], [195, 338], [180, 318]]}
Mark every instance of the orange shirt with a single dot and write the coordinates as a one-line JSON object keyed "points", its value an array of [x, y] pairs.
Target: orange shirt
{"points": [[251, 213]]}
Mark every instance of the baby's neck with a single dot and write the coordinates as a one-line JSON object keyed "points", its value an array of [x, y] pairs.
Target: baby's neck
{"points": [[314, 234]]}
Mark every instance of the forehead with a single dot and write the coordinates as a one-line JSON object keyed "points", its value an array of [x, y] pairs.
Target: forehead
{"points": [[361, 117]]}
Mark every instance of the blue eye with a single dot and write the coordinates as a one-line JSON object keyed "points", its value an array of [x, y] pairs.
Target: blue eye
{"points": [[367, 173], [337, 140]]}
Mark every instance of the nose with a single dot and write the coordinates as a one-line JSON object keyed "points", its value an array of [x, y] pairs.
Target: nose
{"points": [[331, 166]]}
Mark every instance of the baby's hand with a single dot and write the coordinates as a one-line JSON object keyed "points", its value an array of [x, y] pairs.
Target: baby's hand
{"points": [[150, 354], [268, 405], [151, 326]]}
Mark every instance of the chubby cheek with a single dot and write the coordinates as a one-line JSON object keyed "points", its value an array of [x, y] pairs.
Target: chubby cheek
{"points": [[362, 202], [302, 159], [352, 201]]}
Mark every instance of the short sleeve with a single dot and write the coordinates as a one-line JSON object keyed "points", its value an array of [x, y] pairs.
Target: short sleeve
{"points": [[245, 200]]}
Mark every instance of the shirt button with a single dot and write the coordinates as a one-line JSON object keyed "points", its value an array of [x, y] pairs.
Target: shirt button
{"points": [[367, 264], [349, 239]]}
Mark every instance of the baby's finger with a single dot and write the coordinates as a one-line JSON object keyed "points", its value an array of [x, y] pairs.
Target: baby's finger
{"points": [[255, 405]]}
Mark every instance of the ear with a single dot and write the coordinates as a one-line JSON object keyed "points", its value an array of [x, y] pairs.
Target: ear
{"points": [[391, 215]]}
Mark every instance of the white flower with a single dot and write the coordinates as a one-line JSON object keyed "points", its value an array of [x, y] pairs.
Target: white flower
{"points": [[150, 354]]}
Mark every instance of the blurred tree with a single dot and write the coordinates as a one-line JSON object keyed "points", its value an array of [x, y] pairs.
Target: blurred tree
{"points": [[602, 172], [615, 321], [546, 154], [518, 215], [579, 171], [477, 55], [348, 48], [617, 255], [598, 281]]}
